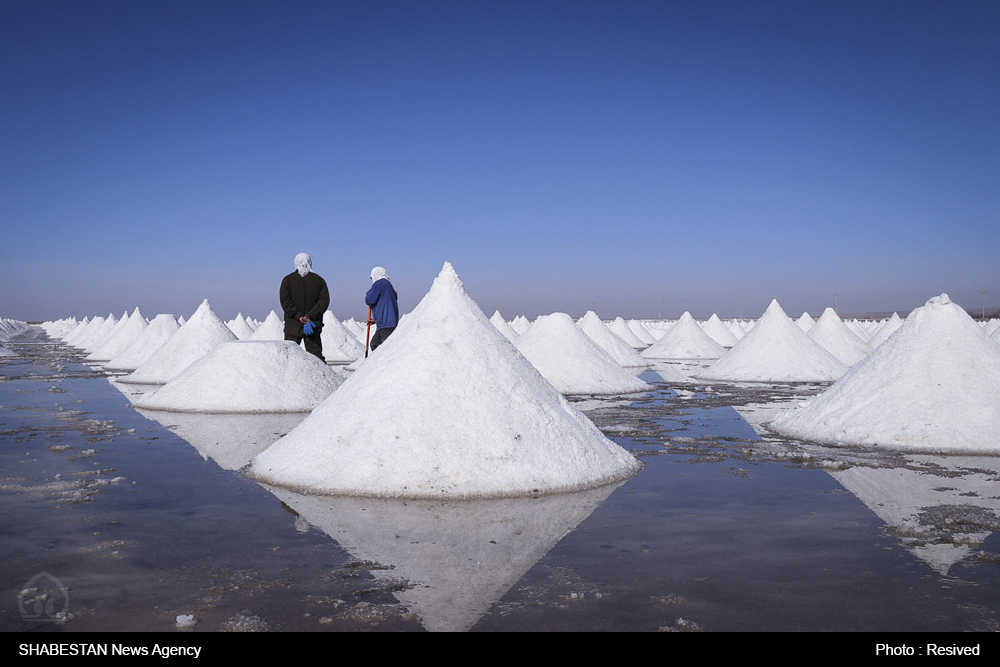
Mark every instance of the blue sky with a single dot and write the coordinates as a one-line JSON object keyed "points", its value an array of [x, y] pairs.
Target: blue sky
{"points": [[634, 158]]}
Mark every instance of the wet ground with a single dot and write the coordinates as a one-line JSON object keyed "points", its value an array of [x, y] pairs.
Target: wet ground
{"points": [[113, 520]]}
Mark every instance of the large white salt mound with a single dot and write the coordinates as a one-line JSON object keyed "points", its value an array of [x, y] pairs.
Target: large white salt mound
{"points": [[610, 342], [572, 362], [685, 340], [776, 350], [934, 385], [247, 376], [445, 408], [197, 337]]}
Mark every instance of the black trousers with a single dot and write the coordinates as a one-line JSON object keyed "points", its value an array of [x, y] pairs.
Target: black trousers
{"points": [[380, 336], [314, 344]]}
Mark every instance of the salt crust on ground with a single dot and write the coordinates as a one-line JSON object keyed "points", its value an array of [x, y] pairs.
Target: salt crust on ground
{"points": [[934, 385], [196, 338], [572, 362], [685, 340], [775, 350], [247, 376], [445, 408]]}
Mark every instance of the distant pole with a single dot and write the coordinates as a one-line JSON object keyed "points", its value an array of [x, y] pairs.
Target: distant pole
{"points": [[984, 304]]}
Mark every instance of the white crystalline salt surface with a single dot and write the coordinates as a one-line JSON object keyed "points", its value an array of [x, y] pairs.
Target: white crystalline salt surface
{"points": [[934, 385], [239, 326], [572, 362], [610, 342], [272, 328], [775, 350], [196, 338], [501, 324], [719, 332], [685, 340], [248, 377], [445, 408], [128, 330], [621, 329], [149, 341], [831, 332], [883, 333], [339, 344]]}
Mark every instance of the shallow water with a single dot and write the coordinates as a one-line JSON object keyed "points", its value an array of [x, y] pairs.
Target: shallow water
{"points": [[115, 520]]}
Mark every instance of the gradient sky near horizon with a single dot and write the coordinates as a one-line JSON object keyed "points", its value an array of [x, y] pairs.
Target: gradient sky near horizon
{"points": [[633, 158]]}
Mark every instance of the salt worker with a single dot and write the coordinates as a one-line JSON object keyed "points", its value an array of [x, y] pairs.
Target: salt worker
{"points": [[385, 310]]}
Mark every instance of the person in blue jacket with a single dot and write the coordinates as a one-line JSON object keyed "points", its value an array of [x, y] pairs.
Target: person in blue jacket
{"points": [[385, 311]]}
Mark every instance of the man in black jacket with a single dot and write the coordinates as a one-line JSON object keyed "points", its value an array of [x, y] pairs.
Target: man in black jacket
{"points": [[304, 298]]}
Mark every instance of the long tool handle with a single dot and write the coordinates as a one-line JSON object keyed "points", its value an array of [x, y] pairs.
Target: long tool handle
{"points": [[369, 332]]}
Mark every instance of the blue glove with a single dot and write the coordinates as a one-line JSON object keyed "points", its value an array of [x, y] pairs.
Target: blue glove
{"points": [[308, 328]]}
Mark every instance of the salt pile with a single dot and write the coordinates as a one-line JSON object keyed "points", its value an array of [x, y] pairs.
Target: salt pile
{"points": [[685, 340], [621, 328], [196, 338], [888, 328], [501, 324], [272, 328], [340, 346], [831, 332], [642, 332], [719, 332], [620, 351], [447, 408], [239, 326], [776, 350], [94, 330], [520, 325], [934, 386], [572, 362], [247, 376], [152, 338], [128, 330]]}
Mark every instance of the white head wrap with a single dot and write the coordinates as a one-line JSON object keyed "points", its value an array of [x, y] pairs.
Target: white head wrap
{"points": [[378, 273], [303, 263]]}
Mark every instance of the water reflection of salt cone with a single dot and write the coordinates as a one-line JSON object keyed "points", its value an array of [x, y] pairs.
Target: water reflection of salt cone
{"points": [[450, 561]]}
